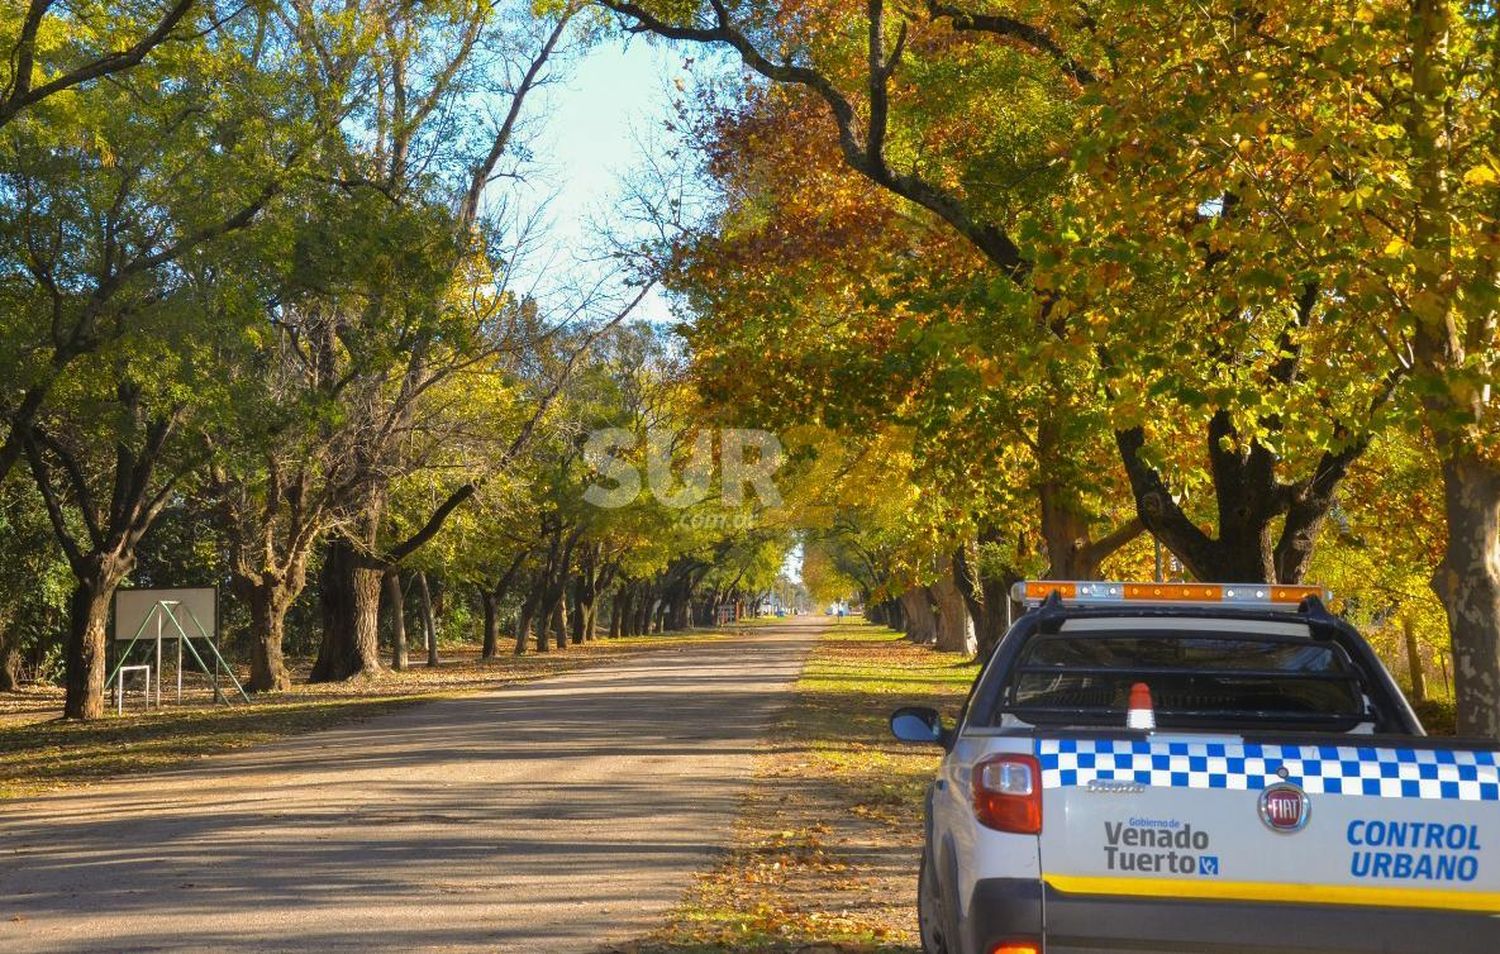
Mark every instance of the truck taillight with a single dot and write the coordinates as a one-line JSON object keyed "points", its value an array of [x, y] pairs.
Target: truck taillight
{"points": [[1016, 947], [1008, 794]]}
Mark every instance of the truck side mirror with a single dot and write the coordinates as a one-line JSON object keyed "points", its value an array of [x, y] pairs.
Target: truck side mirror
{"points": [[920, 725]]}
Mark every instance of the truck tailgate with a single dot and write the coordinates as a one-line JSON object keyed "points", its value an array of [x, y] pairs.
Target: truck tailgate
{"points": [[1408, 825]]}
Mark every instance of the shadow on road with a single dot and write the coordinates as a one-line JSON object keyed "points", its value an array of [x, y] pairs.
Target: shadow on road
{"points": [[549, 816]]}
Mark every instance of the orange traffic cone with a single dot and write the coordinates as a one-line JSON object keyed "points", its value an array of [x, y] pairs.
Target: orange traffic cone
{"points": [[1142, 713]]}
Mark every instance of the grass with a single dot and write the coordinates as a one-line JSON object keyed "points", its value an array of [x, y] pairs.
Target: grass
{"points": [[40, 753], [1439, 716], [824, 856]]}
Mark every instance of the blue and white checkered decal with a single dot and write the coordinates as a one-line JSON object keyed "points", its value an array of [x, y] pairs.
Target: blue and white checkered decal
{"points": [[1318, 769]]}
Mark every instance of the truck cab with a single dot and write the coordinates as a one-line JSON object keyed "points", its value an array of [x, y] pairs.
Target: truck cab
{"points": [[1199, 768]]}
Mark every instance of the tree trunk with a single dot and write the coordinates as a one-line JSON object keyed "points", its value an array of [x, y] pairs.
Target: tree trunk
{"points": [[560, 621], [987, 601], [1414, 658], [1065, 533], [429, 625], [351, 614], [523, 621], [544, 624], [643, 613], [955, 628], [1250, 500], [615, 616], [1453, 344], [1468, 582], [577, 614], [395, 602], [268, 592], [584, 607], [88, 617], [10, 660], [895, 615], [268, 604], [921, 623], [491, 624]]}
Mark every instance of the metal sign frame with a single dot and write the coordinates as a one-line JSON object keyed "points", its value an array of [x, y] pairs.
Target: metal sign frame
{"points": [[169, 611]]}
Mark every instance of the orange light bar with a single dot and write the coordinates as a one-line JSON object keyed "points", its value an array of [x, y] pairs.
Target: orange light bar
{"points": [[1040, 590], [1085, 592], [1296, 594], [1174, 592]]}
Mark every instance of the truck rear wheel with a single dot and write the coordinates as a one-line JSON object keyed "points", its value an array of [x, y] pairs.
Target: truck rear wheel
{"points": [[931, 921]]}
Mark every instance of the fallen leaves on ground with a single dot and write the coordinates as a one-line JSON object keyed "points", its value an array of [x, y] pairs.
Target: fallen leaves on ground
{"points": [[824, 855]]}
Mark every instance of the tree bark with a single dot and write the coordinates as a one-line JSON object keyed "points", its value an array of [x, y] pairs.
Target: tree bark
{"points": [[895, 614], [88, 617], [491, 624], [268, 591], [1250, 499], [10, 659], [1453, 343], [544, 625], [524, 619], [921, 622], [644, 612], [1468, 582], [268, 599], [955, 628], [988, 598], [615, 615], [114, 533], [395, 602], [560, 621], [576, 616], [429, 624], [351, 614], [1414, 658]]}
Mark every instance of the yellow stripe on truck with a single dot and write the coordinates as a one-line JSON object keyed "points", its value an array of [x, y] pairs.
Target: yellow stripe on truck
{"points": [[1483, 901]]}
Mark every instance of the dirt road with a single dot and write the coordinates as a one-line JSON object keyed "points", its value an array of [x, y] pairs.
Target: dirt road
{"points": [[549, 817]]}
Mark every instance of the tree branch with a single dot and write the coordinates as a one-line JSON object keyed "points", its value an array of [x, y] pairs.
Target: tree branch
{"points": [[480, 177], [1025, 34], [21, 94], [76, 480], [1159, 512], [54, 507], [1099, 550], [864, 154]]}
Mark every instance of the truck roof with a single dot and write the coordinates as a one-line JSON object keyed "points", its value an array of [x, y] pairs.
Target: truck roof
{"points": [[1306, 622]]}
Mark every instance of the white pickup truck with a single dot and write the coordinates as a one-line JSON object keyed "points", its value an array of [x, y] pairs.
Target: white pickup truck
{"points": [[1200, 768]]}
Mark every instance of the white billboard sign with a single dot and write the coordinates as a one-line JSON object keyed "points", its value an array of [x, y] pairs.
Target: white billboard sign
{"points": [[134, 607]]}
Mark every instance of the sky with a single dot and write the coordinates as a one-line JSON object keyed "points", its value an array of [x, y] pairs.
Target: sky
{"points": [[595, 120], [791, 567]]}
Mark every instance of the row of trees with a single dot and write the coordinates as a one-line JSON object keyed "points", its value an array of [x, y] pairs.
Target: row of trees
{"points": [[269, 278], [1220, 276], [1024, 289]]}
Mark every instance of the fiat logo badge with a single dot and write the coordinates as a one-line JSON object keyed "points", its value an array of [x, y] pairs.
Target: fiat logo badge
{"points": [[1285, 808]]}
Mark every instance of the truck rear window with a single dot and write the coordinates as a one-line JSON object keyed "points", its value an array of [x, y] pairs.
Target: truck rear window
{"points": [[1197, 679]]}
